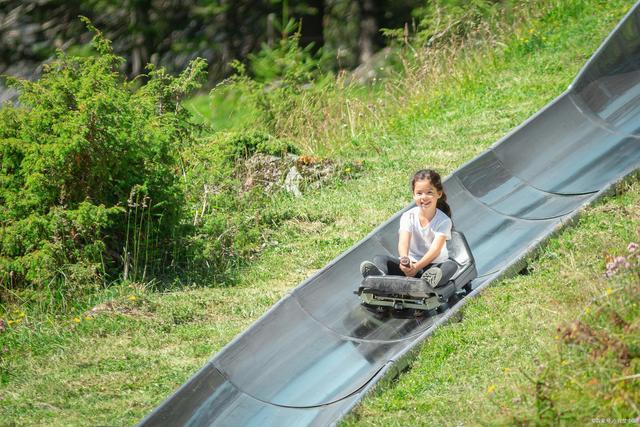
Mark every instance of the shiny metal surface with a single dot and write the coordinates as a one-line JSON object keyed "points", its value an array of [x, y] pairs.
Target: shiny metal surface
{"points": [[491, 183], [574, 153], [314, 354], [318, 366], [209, 399]]}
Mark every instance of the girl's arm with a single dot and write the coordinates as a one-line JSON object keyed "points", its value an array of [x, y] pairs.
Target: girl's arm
{"points": [[432, 253], [403, 243]]}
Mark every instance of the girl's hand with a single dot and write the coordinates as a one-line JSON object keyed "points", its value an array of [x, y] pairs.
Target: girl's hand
{"points": [[409, 271]]}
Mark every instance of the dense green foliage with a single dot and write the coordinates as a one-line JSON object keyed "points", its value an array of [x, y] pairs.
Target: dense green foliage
{"points": [[86, 158], [105, 178]]}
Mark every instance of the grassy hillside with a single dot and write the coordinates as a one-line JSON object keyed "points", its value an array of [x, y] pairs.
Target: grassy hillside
{"points": [[112, 358]]}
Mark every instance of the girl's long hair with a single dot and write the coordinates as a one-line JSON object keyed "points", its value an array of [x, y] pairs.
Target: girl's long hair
{"points": [[434, 178]]}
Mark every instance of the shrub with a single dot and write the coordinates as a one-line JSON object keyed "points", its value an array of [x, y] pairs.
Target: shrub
{"points": [[226, 221], [82, 140]]}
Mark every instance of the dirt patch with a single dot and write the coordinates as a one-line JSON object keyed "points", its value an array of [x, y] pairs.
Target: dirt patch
{"points": [[292, 173], [112, 306]]}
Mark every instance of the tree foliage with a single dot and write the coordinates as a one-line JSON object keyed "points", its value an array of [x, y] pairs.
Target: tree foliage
{"points": [[170, 33]]}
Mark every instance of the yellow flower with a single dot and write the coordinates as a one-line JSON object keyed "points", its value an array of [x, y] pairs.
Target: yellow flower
{"points": [[564, 362], [132, 298], [491, 389], [609, 290], [347, 170], [557, 337], [9, 322], [87, 317], [76, 319]]}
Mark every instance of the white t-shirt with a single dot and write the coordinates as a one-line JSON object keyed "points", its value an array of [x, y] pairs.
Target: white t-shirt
{"points": [[423, 237]]}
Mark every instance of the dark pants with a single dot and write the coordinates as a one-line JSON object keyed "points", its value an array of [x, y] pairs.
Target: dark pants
{"points": [[391, 265]]}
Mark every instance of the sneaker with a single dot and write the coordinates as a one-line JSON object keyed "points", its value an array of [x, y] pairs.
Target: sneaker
{"points": [[432, 276], [367, 268]]}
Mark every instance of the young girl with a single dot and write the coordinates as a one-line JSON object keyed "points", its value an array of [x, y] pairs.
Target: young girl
{"points": [[423, 233]]}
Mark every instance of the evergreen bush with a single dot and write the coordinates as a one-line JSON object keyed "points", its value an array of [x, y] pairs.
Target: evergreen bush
{"points": [[89, 168]]}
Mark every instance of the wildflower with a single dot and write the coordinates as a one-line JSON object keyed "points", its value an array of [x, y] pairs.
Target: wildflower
{"points": [[76, 319], [132, 298], [632, 247], [347, 170], [491, 389], [609, 291], [9, 322], [622, 261], [610, 269], [614, 264], [87, 317]]}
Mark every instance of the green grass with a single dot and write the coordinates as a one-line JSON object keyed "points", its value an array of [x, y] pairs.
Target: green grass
{"points": [[114, 365]]}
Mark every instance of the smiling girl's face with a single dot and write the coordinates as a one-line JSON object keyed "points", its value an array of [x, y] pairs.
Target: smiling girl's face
{"points": [[425, 195]]}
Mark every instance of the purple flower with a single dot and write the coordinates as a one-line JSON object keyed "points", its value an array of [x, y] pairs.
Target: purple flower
{"points": [[612, 268], [632, 247]]}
